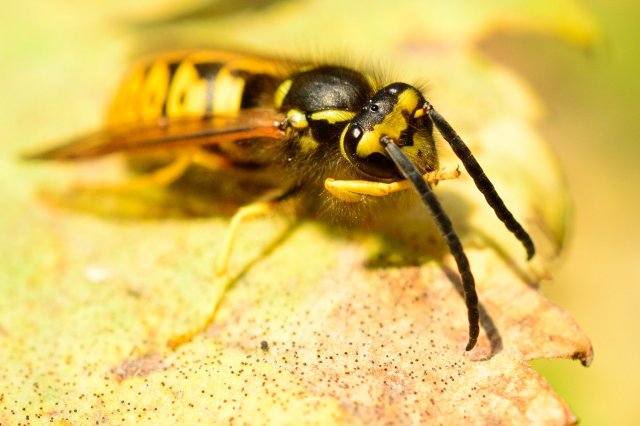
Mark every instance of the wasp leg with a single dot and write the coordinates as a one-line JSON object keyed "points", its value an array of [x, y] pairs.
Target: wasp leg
{"points": [[352, 190], [209, 160], [249, 211], [163, 176], [166, 175]]}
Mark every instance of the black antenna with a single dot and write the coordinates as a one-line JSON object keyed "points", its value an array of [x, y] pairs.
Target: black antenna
{"points": [[481, 180], [409, 171]]}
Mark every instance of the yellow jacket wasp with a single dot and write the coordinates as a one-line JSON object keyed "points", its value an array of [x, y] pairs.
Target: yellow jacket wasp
{"points": [[321, 130]]}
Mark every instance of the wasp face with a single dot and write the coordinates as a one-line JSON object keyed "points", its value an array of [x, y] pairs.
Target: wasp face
{"points": [[391, 113]]}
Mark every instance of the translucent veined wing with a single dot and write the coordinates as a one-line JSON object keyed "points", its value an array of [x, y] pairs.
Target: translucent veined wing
{"points": [[169, 134]]}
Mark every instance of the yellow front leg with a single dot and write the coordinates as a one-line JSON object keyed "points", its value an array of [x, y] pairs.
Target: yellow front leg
{"points": [[352, 191]]}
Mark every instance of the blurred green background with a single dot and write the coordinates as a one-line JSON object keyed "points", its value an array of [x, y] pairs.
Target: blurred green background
{"points": [[592, 123]]}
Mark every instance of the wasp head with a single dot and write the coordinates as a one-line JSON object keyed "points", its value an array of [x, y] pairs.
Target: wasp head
{"points": [[394, 112]]}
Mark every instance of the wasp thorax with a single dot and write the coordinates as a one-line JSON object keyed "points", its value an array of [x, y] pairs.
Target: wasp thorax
{"points": [[319, 102], [389, 113], [324, 88]]}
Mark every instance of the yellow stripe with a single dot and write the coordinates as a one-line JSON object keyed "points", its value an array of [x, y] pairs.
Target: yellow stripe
{"points": [[228, 88], [188, 93], [342, 151], [227, 92], [281, 93], [154, 92], [333, 115]]}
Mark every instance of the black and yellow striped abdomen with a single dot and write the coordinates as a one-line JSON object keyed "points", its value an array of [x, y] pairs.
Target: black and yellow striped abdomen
{"points": [[195, 84]]}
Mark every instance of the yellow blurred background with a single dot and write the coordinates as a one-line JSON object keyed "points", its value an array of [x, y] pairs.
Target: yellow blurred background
{"points": [[592, 124]]}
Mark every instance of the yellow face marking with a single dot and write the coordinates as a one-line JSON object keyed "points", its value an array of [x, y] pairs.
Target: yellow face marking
{"points": [[281, 92], [392, 125], [333, 116], [370, 142], [408, 101]]}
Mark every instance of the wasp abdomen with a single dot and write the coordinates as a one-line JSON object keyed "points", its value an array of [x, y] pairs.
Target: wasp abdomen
{"points": [[192, 85]]}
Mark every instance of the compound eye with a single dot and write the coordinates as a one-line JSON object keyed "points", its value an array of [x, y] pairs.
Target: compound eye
{"points": [[353, 136], [350, 140], [375, 164]]}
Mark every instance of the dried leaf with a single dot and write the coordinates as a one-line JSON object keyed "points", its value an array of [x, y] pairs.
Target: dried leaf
{"points": [[319, 325]]}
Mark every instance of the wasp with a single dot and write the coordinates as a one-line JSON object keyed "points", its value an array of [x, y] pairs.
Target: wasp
{"points": [[324, 131]]}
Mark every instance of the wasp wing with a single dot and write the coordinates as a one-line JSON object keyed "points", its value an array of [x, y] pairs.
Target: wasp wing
{"points": [[169, 134]]}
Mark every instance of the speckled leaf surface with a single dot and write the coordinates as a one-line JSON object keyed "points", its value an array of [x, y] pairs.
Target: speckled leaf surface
{"points": [[318, 326]]}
